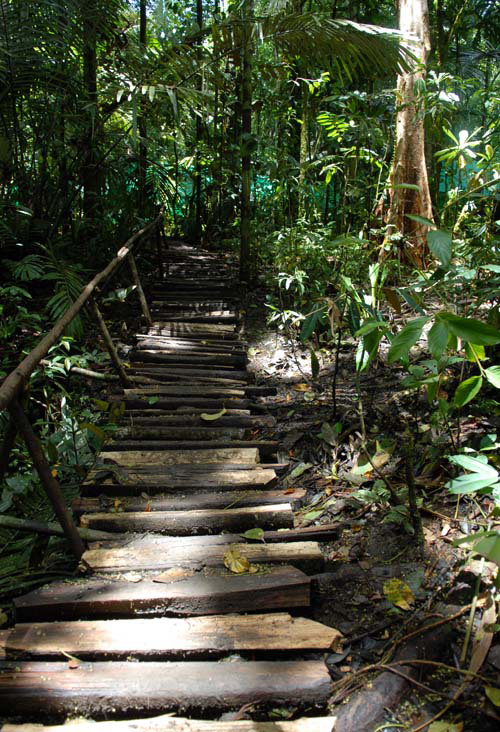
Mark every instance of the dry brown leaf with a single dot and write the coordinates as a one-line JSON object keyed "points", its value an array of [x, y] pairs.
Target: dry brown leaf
{"points": [[235, 561]]}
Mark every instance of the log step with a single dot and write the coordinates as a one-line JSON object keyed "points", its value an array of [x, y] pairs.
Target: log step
{"points": [[160, 446], [186, 502], [133, 481], [188, 523], [159, 372], [136, 458], [167, 552], [274, 588], [181, 433], [171, 403], [159, 419], [43, 689], [167, 723], [186, 358], [165, 638], [184, 389]]}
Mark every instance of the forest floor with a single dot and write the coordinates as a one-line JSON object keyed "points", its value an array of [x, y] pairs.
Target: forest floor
{"points": [[379, 585]]}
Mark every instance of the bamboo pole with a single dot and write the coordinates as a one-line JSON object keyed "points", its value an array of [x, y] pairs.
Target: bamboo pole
{"points": [[50, 484], [52, 528], [138, 284], [113, 353]]}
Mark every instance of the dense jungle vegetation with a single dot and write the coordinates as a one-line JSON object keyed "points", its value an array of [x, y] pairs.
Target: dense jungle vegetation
{"points": [[348, 152]]}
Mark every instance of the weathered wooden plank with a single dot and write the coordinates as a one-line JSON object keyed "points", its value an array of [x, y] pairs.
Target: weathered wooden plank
{"points": [[187, 357], [266, 447], [172, 403], [183, 477], [157, 371], [165, 638], [163, 418], [276, 587], [200, 433], [201, 521], [166, 723], [324, 532], [305, 555], [166, 326], [212, 345], [184, 389], [136, 458], [100, 688], [186, 502]]}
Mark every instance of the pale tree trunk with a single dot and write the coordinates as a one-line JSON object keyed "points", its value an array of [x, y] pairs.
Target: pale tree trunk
{"points": [[409, 165]]}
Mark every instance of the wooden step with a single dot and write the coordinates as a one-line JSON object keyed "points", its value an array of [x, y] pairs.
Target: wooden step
{"points": [[188, 523], [160, 419], [204, 330], [167, 723], [134, 481], [44, 689], [265, 447], [188, 390], [136, 458], [155, 552], [186, 502], [207, 432], [194, 593], [195, 344], [172, 403], [186, 358], [160, 372], [165, 638]]}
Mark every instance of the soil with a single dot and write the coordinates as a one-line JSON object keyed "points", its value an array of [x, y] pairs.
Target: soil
{"points": [[375, 543]]}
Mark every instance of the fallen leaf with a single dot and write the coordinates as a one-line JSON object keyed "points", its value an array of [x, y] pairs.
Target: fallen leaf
{"points": [[493, 695], [300, 387], [73, 663], [446, 727], [398, 593], [299, 469], [147, 507], [235, 561], [445, 529], [288, 491], [211, 417], [3, 619], [256, 534]]}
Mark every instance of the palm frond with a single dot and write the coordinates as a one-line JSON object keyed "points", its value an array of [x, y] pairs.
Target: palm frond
{"points": [[351, 47]]}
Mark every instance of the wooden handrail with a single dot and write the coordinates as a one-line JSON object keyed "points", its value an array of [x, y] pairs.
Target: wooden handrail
{"points": [[14, 382]]}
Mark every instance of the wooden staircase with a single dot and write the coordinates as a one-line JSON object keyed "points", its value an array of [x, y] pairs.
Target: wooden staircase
{"points": [[157, 622]]}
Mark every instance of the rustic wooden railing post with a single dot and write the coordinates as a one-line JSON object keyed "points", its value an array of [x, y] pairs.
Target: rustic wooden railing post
{"points": [[50, 484], [138, 284], [113, 353]]}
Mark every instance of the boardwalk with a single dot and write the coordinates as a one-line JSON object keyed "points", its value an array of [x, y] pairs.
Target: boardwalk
{"points": [[157, 623]]}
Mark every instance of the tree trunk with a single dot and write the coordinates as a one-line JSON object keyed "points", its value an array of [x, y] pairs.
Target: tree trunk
{"points": [[199, 134], [246, 134], [409, 166], [89, 172], [141, 122]]}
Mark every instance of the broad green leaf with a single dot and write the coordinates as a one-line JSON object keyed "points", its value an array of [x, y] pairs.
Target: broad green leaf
{"points": [[474, 353], [405, 339], [101, 405], [471, 330], [367, 349], [329, 434], [493, 375], [488, 547], [309, 325], [437, 338], [313, 515], [467, 390], [256, 534], [420, 220], [475, 465], [153, 399], [439, 242], [368, 326], [469, 484], [208, 417]]}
